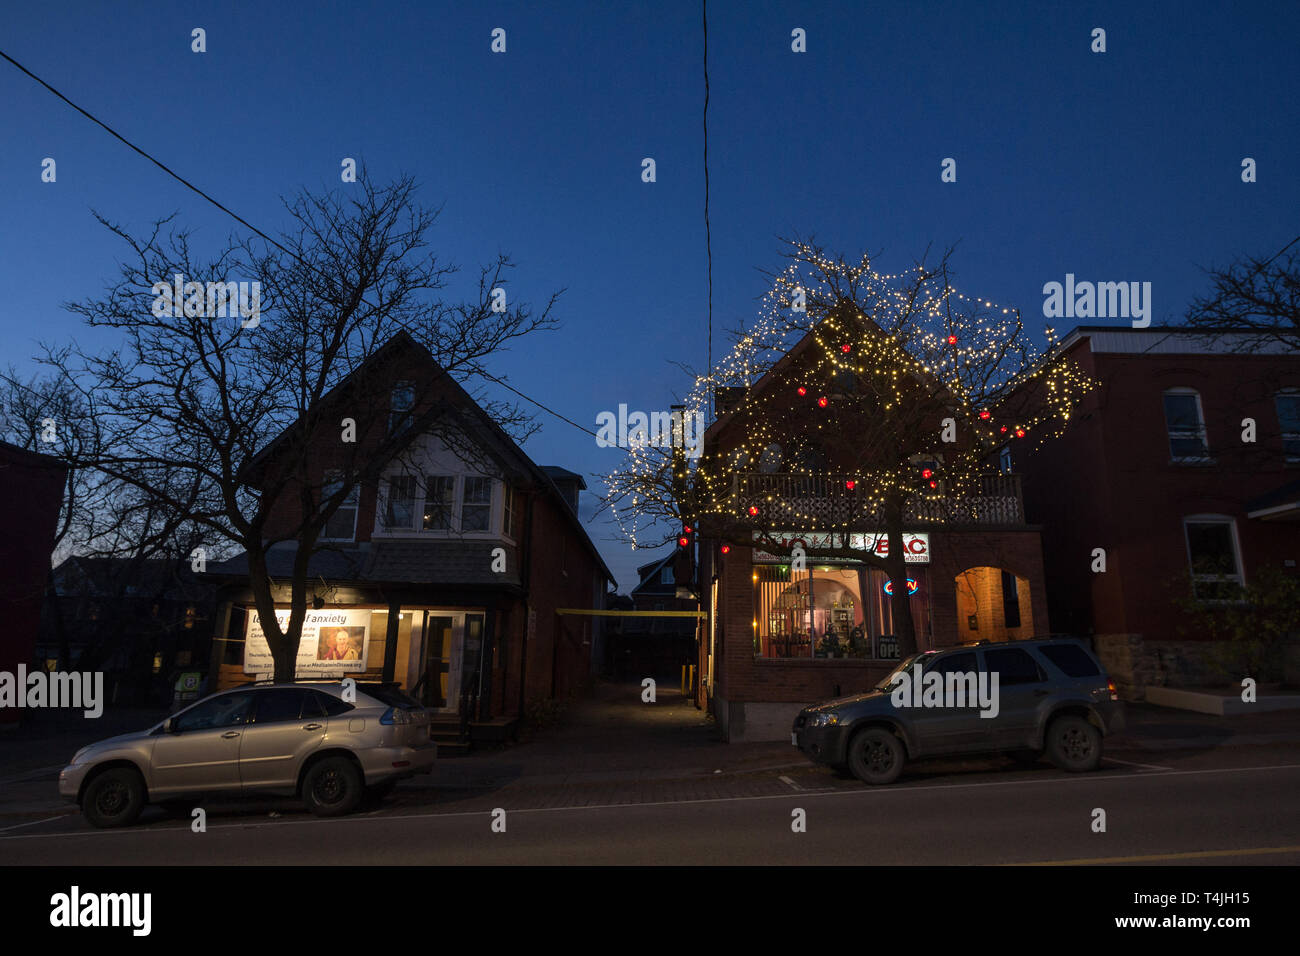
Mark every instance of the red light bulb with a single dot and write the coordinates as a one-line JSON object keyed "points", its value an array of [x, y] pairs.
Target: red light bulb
{"points": [[850, 484], [752, 511], [726, 549], [952, 340], [802, 390], [846, 348], [926, 472], [683, 541], [822, 401], [984, 415]]}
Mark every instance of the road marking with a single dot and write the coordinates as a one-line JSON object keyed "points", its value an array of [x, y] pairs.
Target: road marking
{"points": [[1149, 766], [32, 823], [28, 774], [1200, 854], [823, 792], [793, 785]]}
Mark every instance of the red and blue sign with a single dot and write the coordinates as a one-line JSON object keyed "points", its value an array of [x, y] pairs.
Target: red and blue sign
{"points": [[912, 587]]}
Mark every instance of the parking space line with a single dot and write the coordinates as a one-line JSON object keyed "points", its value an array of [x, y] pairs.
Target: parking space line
{"points": [[785, 779]]}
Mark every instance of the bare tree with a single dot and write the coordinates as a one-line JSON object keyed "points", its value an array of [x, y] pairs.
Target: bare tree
{"points": [[859, 406], [1255, 293], [221, 399]]}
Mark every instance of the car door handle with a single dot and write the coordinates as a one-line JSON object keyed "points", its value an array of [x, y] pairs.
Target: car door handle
{"points": [[229, 733], [312, 727]]}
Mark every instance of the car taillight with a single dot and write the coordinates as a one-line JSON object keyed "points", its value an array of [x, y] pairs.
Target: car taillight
{"points": [[395, 715], [1114, 691]]}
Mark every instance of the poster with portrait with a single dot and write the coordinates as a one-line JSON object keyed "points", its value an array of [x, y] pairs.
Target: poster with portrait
{"points": [[334, 643]]}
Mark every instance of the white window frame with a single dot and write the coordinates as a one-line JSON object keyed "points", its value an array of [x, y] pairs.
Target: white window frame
{"points": [[353, 501], [1294, 395], [1239, 577], [420, 501], [491, 505], [381, 512], [1198, 433]]}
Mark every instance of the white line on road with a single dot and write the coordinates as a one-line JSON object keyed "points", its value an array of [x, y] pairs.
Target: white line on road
{"points": [[793, 785], [1129, 763], [32, 823], [826, 792]]}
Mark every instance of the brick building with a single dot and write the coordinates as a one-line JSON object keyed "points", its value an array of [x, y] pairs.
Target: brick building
{"points": [[777, 638], [1154, 470], [32, 484], [445, 576]]}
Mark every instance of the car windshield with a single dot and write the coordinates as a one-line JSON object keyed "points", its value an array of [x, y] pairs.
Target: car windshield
{"points": [[905, 665]]}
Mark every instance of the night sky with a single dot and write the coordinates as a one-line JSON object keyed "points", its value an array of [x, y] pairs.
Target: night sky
{"points": [[1118, 166]]}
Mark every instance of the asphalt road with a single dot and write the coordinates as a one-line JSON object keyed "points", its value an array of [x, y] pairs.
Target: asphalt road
{"points": [[1221, 808]]}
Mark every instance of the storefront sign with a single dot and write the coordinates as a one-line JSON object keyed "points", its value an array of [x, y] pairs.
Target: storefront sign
{"points": [[916, 546], [334, 643], [887, 647]]}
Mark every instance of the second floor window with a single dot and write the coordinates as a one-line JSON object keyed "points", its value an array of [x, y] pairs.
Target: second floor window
{"points": [[1288, 417], [1004, 460], [439, 500], [399, 504], [476, 504], [1186, 425], [341, 525], [508, 512]]}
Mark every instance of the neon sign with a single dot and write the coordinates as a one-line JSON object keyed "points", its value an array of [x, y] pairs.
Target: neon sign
{"points": [[912, 587]]}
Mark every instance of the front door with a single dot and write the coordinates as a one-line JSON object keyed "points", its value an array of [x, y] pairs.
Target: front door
{"points": [[444, 638], [202, 752]]}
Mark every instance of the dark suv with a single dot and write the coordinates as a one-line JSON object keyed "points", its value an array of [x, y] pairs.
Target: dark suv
{"points": [[1038, 696]]}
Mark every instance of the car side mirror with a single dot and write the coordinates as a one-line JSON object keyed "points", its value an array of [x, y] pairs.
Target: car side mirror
{"points": [[169, 726]]}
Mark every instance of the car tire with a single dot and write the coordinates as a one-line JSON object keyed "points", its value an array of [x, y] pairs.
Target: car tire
{"points": [[333, 787], [876, 756], [1073, 744], [114, 798]]}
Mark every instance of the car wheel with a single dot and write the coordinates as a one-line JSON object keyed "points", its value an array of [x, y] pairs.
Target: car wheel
{"points": [[876, 756], [333, 787], [1073, 744], [114, 798]]}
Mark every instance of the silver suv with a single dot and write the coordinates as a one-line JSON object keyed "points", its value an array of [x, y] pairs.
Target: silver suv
{"points": [[1025, 698], [313, 740]]}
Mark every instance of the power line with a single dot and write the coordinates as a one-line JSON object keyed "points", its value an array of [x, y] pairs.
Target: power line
{"points": [[708, 236], [189, 185]]}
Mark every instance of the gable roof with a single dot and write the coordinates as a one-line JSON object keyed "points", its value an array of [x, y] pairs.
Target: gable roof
{"points": [[503, 449]]}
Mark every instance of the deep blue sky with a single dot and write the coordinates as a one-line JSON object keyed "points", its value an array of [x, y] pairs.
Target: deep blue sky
{"points": [[1115, 166]]}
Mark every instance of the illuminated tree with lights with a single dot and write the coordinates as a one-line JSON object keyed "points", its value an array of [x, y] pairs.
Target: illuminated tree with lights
{"points": [[860, 406]]}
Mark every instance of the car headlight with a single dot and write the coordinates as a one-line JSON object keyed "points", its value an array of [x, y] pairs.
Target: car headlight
{"points": [[824, 719]]}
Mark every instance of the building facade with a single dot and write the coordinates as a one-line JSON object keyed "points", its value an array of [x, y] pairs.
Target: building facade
{"points": [[1182, 471], [448, 576]]}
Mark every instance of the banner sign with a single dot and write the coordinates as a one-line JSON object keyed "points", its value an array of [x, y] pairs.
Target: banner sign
{"points": [[334, 643], [916, 546]]}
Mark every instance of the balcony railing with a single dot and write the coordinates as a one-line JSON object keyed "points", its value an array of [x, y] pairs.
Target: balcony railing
{"points": [[802, 501]]}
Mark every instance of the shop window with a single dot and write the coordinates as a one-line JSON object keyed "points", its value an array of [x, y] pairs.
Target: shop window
{"points": [[1288, 417], [1214, 556], [341, 525], [1185, 424]]}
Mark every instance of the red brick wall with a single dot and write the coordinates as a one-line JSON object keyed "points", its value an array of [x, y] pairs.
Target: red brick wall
{"points": [[1108, 483]]}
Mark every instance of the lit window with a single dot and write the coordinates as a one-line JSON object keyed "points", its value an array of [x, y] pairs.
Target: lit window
{"points": [[1288, 416], [1186, 425], [439, 500], [341, 525], [1214, 557], [476, 505], [1004, 460]]}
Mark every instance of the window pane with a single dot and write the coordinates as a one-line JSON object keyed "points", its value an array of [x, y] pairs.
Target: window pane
{"points": [[227, 710], [279, 704], [1288, 412], [1211, 548], [1013, 666], [439, 497], [476, 509], [963, 663], [1072, 661], [1187, 448], [1181, 413], [400, 503]]}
